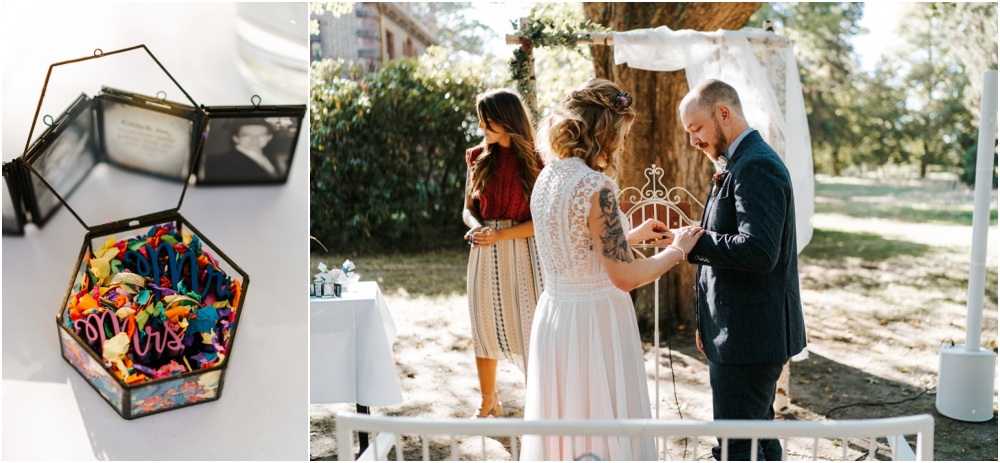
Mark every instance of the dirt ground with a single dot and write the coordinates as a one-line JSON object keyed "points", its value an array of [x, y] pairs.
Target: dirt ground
{"points": [[884, 283]]}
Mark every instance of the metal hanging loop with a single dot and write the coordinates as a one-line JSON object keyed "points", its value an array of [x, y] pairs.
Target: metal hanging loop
{"points": [[47, 120], [256, 104], [98, 52], [161, 92]]}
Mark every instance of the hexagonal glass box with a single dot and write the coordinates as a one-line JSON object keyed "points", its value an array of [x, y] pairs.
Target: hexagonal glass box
{"points": [[151, 312]]}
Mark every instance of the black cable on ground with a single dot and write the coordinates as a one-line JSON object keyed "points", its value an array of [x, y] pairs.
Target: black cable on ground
{"points": [[873, 404], [670, 356]]}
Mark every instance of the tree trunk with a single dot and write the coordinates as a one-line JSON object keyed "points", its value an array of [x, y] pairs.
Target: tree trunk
{"points": [[924, 156], [658, 137], [835, 160]]}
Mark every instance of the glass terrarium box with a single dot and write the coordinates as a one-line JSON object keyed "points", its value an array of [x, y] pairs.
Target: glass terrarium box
{"points": [[150, 136], [150, 315]]}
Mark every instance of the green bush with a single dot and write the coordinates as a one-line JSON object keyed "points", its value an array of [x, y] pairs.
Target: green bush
{"points": [[969, 167], [387, 153]]}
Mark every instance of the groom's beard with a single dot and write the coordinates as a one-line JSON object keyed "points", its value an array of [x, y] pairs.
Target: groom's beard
{"points": [[720, 144]]}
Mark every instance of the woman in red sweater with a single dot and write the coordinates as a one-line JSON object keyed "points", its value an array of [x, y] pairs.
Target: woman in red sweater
{"points": [[505, 275]]}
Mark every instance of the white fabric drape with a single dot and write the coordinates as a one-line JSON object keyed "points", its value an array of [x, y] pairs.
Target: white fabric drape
{"points": [[766, 78]]}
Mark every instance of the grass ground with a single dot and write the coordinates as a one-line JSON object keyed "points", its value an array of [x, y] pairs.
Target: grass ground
{"points": [[884, 283]]}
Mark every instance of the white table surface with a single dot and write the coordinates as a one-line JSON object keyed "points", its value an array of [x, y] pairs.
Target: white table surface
{"points": [[350, 349], [49, 411]]}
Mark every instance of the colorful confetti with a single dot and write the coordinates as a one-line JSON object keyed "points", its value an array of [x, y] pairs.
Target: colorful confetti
{"points": [[154, 306]]}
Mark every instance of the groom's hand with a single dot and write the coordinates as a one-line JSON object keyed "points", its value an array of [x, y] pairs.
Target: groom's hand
{"points": [[697, 338]]}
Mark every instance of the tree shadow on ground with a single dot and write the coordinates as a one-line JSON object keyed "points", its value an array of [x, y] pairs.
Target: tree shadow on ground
{"points": [[822, 387], [836, 246]]}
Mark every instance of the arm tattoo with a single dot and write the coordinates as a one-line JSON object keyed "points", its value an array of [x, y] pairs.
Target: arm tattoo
{"points": [[613, 237]]}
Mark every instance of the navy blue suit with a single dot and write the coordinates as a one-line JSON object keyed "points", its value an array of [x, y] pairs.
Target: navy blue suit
{"points": [[749, 311]]}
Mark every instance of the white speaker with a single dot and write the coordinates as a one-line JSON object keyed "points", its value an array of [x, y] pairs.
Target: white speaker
{"points": [[965, 383]]}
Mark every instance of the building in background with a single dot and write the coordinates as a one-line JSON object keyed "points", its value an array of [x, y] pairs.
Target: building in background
{"points": [[372, 34]]}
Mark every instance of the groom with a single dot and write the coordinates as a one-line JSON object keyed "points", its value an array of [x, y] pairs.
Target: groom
{"points": [[749, 313]]}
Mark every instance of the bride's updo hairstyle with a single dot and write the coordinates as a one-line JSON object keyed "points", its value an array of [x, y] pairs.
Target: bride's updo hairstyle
{"points": [[587, 124]]}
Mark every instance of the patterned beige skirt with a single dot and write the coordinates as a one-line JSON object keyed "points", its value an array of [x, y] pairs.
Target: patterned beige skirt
{"points": [[504, 282]]}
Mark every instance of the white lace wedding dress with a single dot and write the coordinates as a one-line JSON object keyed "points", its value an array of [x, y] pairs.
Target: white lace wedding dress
{"points": [[585, 360]]}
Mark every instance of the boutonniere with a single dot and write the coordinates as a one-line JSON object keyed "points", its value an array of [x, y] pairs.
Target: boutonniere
{"points": [[719, 177]]}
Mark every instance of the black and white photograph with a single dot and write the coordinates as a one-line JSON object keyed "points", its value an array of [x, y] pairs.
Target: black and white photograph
{"points": [[248, 149], [149, 141], [65, 161], [13, 221]]}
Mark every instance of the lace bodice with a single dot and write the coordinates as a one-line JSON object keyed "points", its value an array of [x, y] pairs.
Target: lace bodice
{"points": [[560, 204]]}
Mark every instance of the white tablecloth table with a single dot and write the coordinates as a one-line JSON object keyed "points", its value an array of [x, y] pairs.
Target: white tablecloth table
{"points": [[350, 349]]}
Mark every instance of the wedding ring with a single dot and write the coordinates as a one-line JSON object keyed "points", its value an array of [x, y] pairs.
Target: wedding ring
{"points": [[180, 298]]}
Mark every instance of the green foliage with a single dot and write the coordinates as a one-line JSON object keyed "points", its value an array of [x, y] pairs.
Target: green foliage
{"points": [[938, 125], [821, 33], [969, 172], [970, 29], [387, 157], [559, 70], [549, 27], [918, 108]]}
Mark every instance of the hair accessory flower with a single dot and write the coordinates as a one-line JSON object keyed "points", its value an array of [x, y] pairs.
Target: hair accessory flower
{"points": [[623, 100]]}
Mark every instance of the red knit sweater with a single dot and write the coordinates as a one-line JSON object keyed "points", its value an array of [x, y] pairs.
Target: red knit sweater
{"points": [[502, 198]]}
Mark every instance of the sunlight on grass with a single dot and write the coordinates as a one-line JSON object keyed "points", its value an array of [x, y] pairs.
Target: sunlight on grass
{"points": [[902, 200], [437, 273]]}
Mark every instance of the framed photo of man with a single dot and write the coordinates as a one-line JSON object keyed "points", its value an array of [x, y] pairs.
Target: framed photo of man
{"points": [[249, 144]]}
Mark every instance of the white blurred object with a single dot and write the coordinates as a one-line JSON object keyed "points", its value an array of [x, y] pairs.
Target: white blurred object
{"points": [[967, 374], [273, 44]]}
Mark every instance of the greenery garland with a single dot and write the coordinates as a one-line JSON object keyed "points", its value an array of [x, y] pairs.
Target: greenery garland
{"points": [[542, 32]]}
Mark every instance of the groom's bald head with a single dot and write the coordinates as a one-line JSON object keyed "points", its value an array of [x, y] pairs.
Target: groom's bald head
{"points": [[711, 94], [712, 115]]}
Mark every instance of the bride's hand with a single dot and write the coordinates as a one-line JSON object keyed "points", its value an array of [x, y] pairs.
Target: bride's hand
{"points": [[653, 231], [687, 237]]}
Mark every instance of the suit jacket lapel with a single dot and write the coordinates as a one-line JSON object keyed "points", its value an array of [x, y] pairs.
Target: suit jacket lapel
{"points": [[750, 139], [708, 205]]}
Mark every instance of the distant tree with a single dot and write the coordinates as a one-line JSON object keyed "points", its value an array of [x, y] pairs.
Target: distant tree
{"points": [[876, 112], [821, 34], [559, 70], [938, 126], [456, 32], [659, 137], [970, 29]]}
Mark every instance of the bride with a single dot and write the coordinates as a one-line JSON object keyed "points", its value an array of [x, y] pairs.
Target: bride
{"points": [[586, 360]]}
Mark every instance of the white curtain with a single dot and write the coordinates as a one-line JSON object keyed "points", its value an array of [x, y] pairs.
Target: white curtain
{"points": [[766, 78]]}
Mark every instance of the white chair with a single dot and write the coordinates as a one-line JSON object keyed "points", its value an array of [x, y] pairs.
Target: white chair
{"points": [[857, 434]]}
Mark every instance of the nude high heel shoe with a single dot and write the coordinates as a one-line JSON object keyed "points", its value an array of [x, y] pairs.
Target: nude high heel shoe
{"points": [[496, 412]]}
